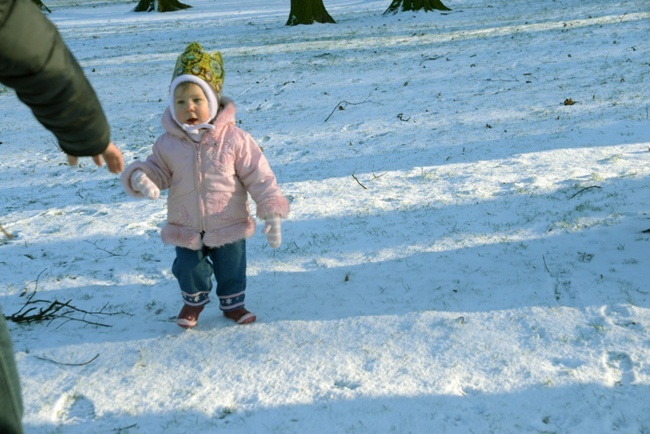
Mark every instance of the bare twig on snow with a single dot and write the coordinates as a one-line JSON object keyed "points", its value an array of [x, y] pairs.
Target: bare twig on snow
{"points": [[343, 104], [6, 234], [584, 189], [359, 182], [67, 364]]}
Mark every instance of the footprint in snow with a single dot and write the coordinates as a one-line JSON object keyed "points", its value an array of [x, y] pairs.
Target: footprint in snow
{"points": [[72, 408], [621, 366]]}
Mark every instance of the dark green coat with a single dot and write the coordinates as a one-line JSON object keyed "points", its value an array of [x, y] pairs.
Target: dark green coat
{"points": [[37, 64], [11, 404]]}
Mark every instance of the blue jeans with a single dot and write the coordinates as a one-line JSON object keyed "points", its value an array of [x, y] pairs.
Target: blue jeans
{"points": [[194, 268]]}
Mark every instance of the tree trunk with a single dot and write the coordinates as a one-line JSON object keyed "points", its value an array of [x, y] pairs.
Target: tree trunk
{"points": [[308, 12], [160, 6], [415, 5], [41, 6]]}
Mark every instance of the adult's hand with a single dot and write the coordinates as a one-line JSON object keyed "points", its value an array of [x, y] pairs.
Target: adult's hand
{"points": [[112, 155]]}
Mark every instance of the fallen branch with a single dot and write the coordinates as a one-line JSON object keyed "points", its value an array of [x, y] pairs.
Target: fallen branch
{"points": [[126, 428], [6, 234], [35, 283], [426, 59], [107, 251], [374, 177], [359, 182], [584, 189], [30, 312], [343, 104], [67, 364]]}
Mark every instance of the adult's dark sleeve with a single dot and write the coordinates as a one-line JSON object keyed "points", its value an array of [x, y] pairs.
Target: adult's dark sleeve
{"points": [[11, 404], [37, 64]]}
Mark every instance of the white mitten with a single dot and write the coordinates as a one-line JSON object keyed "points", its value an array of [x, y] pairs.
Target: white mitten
{"points": [[141, 182], [273, 231]]}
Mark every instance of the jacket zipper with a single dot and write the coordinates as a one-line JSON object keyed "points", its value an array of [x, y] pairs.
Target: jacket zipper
{"points": [[199, 190]]}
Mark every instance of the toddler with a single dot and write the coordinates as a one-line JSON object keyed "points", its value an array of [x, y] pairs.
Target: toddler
{"points": [[209, 166]]}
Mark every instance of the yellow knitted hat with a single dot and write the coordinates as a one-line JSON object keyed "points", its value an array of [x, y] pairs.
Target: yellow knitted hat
{"points": [[206, 66]]}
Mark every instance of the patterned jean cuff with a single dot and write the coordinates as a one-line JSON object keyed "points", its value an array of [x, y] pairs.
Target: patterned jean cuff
{"points": [[198, 299], [231, 302]]}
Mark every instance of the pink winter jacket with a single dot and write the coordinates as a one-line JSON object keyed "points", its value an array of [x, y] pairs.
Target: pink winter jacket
{"points": [[209, 182]]}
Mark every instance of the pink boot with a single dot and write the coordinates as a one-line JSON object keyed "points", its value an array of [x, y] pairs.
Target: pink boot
{"points": [[188, 316], [240, 316]]}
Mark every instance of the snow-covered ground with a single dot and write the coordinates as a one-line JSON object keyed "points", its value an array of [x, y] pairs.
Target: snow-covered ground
{"points": [[466, 250]]}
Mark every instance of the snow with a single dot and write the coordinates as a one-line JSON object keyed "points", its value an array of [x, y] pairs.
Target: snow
{"points": [[465, 252]]}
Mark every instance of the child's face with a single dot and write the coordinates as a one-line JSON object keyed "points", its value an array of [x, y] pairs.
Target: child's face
{"points": [[190, 104]]}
